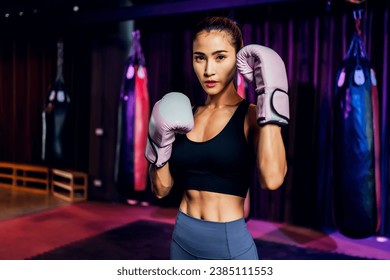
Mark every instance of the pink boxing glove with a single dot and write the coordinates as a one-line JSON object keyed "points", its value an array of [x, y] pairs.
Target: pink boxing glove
{"points": [[266, 68], [172, 114]]}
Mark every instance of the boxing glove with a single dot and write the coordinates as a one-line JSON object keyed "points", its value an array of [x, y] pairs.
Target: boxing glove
{"points": [[172, 114], [266, 68]]}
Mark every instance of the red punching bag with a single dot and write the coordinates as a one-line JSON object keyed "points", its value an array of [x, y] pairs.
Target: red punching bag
{"points": [[133, 118]]}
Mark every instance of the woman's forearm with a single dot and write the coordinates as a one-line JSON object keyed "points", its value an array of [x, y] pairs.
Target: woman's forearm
{"points": [[161, 180], [271, 157]]}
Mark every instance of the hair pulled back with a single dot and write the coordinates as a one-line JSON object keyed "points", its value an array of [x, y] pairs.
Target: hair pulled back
{"points": [[220, 24]]}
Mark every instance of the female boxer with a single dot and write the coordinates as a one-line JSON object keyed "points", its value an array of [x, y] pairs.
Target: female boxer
{"points": [[210, 151]]}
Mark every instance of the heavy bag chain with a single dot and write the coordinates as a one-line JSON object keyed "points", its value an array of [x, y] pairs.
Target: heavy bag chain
{"points": [[60, 60]]}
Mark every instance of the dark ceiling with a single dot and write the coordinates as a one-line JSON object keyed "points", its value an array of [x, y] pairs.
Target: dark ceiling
{"points": [[112, 10], [63, 6], [92, 11], [88, 5]]}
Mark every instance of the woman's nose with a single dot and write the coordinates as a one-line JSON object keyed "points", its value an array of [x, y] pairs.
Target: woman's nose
{"points": [[209, 69]]}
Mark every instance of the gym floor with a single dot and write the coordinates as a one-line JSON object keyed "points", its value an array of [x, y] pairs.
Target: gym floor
{"points": [[17, 206]]}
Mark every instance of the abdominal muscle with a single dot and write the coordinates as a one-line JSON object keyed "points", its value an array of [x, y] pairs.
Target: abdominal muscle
{"points": [[210, 206]]}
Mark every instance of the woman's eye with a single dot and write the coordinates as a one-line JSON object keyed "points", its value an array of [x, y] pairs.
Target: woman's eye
{"points": [[199, 58], [220, 57]]}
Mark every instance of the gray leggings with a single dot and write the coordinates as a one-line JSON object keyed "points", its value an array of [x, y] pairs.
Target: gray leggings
{"points": [[195, 239]]}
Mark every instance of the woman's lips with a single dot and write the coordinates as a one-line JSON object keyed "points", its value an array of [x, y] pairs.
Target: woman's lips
{"points": [[210, 83]]}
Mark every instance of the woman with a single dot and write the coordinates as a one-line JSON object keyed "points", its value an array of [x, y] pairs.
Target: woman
{"points": [[212, 154]]}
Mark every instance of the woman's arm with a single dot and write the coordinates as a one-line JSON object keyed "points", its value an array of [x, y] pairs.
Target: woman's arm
{"points": [[161, 180], [270, 153], [170, 115], [271, 157]]}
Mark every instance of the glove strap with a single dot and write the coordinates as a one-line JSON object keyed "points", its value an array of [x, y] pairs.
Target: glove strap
{"points": [[155, 155], [273, 107]]}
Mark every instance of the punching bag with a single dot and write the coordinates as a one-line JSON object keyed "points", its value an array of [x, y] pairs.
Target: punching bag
{"points": [[241, 85], [133, 117], [356, 188], [54, 117]]}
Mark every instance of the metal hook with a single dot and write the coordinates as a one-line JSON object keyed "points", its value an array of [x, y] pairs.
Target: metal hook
{"points": [[357, 15], [136, 34]]}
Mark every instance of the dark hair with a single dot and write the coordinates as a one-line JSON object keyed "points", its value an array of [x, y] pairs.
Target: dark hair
{"points": [[221, 24]]}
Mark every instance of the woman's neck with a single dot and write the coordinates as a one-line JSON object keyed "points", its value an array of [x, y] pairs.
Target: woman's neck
{"points": [[229, 97]]}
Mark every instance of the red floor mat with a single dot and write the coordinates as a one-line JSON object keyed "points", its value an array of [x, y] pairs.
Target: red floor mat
{"points": [[34, 234]]}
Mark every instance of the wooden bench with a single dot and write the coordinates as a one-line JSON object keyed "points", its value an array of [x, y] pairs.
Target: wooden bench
{"points": [[69, 185], [24, 177]]}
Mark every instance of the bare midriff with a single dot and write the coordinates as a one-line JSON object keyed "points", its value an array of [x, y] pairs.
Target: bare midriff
{"points": [[210, 206]]}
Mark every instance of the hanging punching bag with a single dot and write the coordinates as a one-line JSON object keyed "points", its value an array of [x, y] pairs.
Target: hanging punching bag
{"points": [[133, 117], [356, 185], [54, 117], [241, 85]]}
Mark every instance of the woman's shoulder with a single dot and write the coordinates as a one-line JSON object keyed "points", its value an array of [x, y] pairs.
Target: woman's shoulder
{"points": [[252, 107], [251, 116], [251, 113]]}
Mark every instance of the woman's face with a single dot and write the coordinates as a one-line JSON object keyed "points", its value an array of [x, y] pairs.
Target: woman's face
{"points": [[214, 60]]}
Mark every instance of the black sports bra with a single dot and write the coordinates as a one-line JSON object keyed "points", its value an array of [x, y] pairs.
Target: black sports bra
{"points": [[223, 164]]}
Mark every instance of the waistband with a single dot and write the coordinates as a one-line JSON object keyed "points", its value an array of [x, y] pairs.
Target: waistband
{"points": [[211, 240]]}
